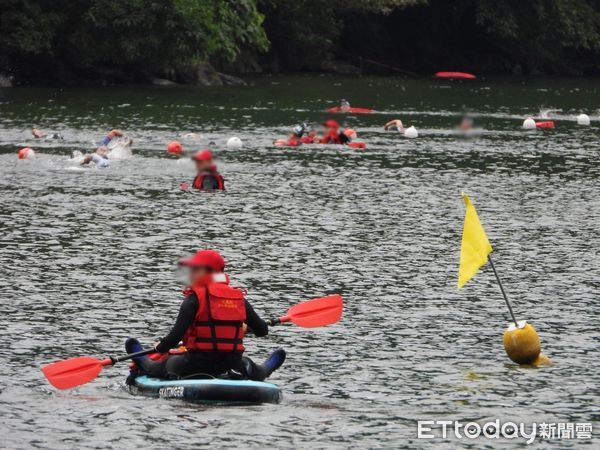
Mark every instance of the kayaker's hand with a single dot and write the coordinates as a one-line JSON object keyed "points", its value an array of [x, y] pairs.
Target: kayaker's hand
{"points": [[184, 186]]}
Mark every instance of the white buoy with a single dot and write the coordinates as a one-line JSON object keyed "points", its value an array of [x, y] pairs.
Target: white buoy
{"points": [[411, 132], [234, 143], [583, 119], [529, 124]]}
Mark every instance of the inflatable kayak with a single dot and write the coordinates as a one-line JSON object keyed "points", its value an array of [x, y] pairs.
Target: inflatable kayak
{"points": [[545, 124], [337, 109], [453, 75], [211, 390]]}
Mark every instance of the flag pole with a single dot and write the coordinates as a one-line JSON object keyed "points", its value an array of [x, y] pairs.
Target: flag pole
{"points": [[503, 293]]}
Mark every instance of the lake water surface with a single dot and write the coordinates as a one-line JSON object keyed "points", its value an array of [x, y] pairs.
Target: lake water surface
{"points": [[87, 259]]}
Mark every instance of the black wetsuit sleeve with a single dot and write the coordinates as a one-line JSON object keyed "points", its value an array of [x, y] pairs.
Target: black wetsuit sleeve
{"points": [[185, 319], [258, 326]]}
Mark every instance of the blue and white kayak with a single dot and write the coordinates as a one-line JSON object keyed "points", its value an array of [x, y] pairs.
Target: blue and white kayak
{"points": [[207, 390]]}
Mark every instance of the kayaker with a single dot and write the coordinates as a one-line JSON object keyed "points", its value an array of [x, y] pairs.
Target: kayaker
{"points": [[211, 324], [294, 137], [98, 158], [208, 177], [332, 133], [344, 105], [394, 124]]}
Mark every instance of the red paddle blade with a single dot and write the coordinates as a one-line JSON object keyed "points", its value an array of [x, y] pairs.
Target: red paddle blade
{"points": [[318, 312], [73, 372]]}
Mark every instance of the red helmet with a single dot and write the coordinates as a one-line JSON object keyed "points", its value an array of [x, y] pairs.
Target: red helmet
{"points": [[203, 155], [205, 258], [331, 124], [174, 147]]}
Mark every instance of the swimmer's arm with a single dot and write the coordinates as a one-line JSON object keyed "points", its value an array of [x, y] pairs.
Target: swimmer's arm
{"points": [[391, 123], [111, 134]]}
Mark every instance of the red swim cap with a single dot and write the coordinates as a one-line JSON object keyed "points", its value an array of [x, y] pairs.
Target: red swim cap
{"points": [[203, 155], [207, 258], [174, 147]]}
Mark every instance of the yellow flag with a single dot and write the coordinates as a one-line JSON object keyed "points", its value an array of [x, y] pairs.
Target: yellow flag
{"points": [[475, 247]]}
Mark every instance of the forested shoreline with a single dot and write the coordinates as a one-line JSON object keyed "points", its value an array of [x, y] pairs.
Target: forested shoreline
{"points": [[192, 41]]}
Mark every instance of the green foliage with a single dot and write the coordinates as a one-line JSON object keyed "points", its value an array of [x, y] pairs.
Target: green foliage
{"points": [[133, 37], [136, 39]]}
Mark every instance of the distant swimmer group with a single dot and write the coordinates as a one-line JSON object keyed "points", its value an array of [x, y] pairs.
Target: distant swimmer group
{"points": [[332, 133]]}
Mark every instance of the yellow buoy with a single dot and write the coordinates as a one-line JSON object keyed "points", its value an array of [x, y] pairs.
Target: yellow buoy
{"points": [[542, 360], [522, 344]]}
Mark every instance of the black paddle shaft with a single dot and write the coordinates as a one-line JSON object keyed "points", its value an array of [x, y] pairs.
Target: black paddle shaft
{"points": [[132, 355], [272, 322]]}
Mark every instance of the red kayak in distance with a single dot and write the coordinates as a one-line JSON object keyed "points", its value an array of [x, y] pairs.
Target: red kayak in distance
{"points": [[545, 124], [456, 75], [337, 109]]}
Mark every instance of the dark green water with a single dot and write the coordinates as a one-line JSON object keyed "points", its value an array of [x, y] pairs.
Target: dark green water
{"points": [[87, 259]]}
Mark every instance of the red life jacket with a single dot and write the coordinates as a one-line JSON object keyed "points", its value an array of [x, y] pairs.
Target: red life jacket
{"points": [[333, 137], [219, 322], [199, 180]]}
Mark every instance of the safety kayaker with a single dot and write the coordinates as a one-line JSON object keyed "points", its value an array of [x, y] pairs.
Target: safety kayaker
{"points": [[332, 133], [294, 137], [98, 158], [207, 177], [344, 105], [211, 324], [395, 124]]}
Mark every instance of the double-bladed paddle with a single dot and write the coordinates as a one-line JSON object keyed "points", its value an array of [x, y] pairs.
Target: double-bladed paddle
{"points": [[74, 372]]}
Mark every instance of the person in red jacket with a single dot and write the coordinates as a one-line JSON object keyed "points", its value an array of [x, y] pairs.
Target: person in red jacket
{"points": [[208, 177], [211, 324], [332, 133]]}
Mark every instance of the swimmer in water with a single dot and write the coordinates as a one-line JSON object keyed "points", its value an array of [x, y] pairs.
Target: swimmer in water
{"points": [[294, 137], [39, 134], [98, 158], [466, 125], [394, 124], [344, 105]]}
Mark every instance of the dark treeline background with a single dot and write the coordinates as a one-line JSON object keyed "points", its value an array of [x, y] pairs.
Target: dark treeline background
{"points": [[138, 40]]}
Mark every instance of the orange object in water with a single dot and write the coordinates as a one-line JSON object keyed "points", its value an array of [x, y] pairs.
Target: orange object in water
{"points": [[25, 153], [174, 147], [337, 109], [359, 145], [545, 124], [459, 75]]}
